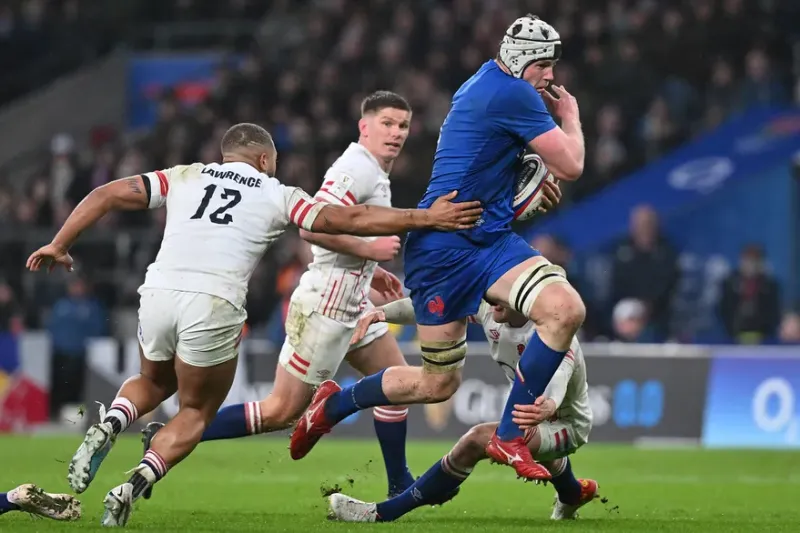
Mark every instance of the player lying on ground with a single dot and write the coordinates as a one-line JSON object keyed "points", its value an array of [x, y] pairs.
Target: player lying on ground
{"points": [[556, 425], [221, 218], [31, 499], [332, 296], [495, 116]]}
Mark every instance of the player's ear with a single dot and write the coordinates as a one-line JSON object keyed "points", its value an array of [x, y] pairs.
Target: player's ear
{"points": [[362, 126]]}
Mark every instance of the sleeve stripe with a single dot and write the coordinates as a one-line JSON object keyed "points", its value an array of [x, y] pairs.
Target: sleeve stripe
{"points": [[303, 214], [348, 199], [299, 205], [162, 179], [327, 197], [569, 355], [147, 189]]}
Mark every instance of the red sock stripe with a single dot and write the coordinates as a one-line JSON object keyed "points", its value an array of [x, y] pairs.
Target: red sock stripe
{"points": [[252, 412], [557, 466], [119, 406], [390, 415], [156, 463], [447, 466]]}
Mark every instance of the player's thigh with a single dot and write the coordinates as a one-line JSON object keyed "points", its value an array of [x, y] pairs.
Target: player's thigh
{"points": [[552, 440], [204, 388], [534, 287], [161, 373], [315, 345], [376, 351]]}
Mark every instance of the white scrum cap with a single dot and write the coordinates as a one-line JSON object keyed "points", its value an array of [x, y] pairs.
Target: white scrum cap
{"points": [[527, 40]]}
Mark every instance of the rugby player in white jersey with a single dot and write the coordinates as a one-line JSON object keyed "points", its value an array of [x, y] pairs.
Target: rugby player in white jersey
{"points": [[556, 424], [221, 218], [334, 293]]}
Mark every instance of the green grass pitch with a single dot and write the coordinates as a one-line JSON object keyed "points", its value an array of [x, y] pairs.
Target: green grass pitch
{"points": [[253, 485]]}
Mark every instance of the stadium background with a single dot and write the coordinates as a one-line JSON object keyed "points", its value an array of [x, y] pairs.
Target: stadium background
{"points": [[681, 235]]}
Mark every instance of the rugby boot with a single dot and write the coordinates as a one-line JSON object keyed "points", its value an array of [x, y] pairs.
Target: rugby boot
{"points": [[563, 511], [313, 424], [515, 453]]}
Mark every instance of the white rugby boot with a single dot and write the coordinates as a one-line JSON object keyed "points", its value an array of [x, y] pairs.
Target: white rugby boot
{"points": [[347, 509], [118, 505], [563, 511], [31, 499], [86, 462]]}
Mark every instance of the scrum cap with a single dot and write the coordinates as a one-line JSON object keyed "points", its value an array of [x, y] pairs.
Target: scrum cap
{"points": [[527, 40]]}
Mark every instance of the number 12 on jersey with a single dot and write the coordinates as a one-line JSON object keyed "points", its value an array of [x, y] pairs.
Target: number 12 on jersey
{"points": [[219, 216]]}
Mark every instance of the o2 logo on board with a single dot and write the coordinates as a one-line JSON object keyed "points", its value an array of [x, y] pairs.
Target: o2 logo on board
{"points": [[774, 408], [638, 405]]}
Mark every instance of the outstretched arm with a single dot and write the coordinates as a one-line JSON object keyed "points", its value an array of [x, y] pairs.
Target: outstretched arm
{"points": [[368, 220], [126, 194]]}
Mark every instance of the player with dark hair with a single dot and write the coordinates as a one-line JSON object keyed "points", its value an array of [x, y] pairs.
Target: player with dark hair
{"points": [[334, 293], [31, 499], [496, 115], [221, 218]]}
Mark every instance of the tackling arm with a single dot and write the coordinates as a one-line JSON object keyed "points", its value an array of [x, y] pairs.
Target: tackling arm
{"points": [[126, 194], [370, 220], [556, 390], [399, 312]]}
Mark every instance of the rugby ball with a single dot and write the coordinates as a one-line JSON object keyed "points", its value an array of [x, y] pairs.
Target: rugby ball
{"points": [[530, 181]]}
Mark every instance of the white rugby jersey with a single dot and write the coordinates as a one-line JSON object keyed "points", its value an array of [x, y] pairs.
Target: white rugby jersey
{"points": [[337, 285], [568, 386], [221, 218]]}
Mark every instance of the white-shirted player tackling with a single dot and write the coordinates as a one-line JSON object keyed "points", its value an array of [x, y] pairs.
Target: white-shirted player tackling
{"points": [[334, 293], [221, 218], [557, 424]]}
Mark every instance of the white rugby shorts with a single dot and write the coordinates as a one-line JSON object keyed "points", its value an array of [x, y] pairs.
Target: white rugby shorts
{"points": [[558, 439], [201, 329], [316, 345]]}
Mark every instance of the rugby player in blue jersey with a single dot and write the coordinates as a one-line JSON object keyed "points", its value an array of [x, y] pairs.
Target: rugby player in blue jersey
{"points": [[496, 115]]}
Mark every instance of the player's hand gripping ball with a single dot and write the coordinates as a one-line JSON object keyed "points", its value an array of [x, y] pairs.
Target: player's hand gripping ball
{"points": [[530, 187]]}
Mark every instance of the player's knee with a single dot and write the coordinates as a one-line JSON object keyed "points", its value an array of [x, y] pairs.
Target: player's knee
{"points": [[440, 387], [443, 357], [560, 309], [539, 288], [473, 443]]}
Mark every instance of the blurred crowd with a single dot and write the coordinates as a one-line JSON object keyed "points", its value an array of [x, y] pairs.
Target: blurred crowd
{"points": [[648, 76]]}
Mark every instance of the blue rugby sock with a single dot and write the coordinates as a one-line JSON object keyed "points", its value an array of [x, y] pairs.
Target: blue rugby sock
{"points": [[235, 421], [536, 367], [391, 427], [431, 488], [567, 487], [5, 505], [365, 393]]}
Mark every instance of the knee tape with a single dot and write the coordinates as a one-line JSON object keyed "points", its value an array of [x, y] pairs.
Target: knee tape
{"points": [[443, 356], [529, 285]]}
